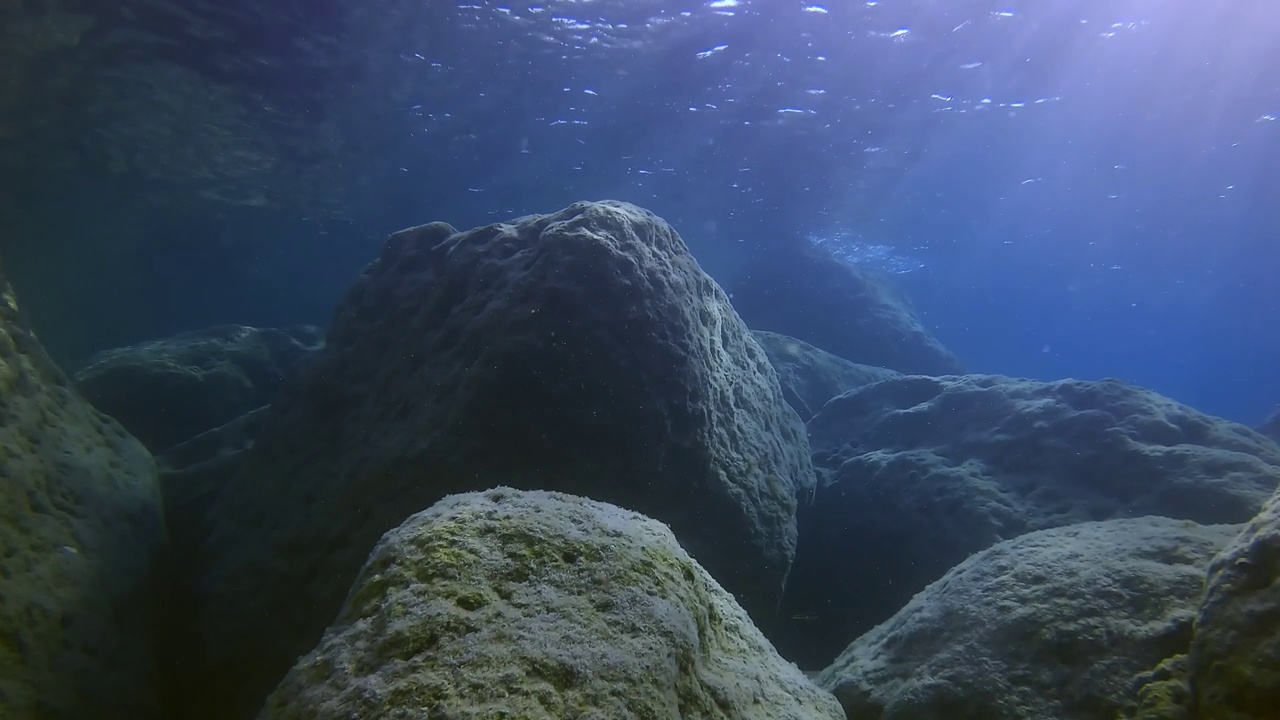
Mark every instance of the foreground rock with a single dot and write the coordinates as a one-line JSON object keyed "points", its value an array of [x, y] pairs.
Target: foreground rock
{"points": [[921, 472], [1235, 658], [540, 605], [168, 391], [80, 519], [583, 351], [811, 376], [1053, 625], [838, 308]]}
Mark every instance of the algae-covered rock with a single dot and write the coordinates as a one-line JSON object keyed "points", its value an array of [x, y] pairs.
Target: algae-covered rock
{"points": [[1161, 693], [541, 606], [80, 520], [170, 390], [1234, 662], [583, 351], [1052, 625], [920, 472], [811, 376]]}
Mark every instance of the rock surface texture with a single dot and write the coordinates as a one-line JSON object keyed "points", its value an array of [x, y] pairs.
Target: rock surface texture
{"points": [[1235, 657], [920, 472], [583, 351], [811, 376], [1053, 625], [541, 606], [168, 391], [80, 521], [840, 309]]}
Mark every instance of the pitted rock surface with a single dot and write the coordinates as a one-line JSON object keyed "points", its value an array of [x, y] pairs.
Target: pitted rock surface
{"points": [[583, 351], [1052, 625], [921, 472], [541, 606], [80, 523], [1234, 662]]}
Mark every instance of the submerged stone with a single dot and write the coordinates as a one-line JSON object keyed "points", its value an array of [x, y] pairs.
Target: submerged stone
{"points": [[541, 606], [1052, 625], [80, 522], [1234, 662], [920, 472], [811, 376], [583, 351], [839, 308], [168, 391]]}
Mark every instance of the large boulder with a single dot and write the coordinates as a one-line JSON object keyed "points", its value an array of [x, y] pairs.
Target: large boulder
{"points": [[168, 391], [80, 522], [1052, 625], [811, 376], [541, 606], [582, 351], [920, 472], [807, 293]]}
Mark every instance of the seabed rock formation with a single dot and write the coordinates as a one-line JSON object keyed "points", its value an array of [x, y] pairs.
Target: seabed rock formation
{"points": [[541, 606], [583, 351], [346, 546], [811, 376], [917, 473], [168, 391], [840, 309], [1234, 663], [1053, 625], [80, 521]]}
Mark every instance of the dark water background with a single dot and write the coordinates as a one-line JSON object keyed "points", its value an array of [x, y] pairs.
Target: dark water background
{"points": [[1084, 189]]}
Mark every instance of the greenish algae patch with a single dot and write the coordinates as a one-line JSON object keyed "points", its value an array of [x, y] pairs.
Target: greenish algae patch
{"points": [[538, 605]]}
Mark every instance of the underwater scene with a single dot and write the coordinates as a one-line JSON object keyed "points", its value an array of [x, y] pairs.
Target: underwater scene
{"points": [[639, 360]]}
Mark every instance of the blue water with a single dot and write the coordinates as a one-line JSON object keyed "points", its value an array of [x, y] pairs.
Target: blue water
{"points": [[1082, 189]]}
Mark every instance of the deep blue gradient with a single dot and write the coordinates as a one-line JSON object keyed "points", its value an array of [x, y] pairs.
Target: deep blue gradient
{"points": [[1089, 188]]}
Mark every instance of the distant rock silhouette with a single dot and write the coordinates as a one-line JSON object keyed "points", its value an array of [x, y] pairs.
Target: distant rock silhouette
{"points": [[805, 292], [916, 473], [584, 351], [170, 390], [1271, 426], [811, 376]]}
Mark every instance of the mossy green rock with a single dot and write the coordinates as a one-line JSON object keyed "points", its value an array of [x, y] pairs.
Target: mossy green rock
{"points": [[80, 518], [511, 604], [1235, 657], [1161, 693]]}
